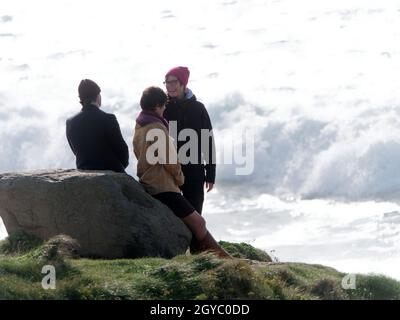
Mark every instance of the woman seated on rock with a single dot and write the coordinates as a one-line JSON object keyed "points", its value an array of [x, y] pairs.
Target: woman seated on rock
{"points": [[160, 172]]}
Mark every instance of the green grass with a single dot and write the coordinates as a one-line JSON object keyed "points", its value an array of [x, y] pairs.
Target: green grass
{"points": [[200, 277], [244, 250], [19, 242]]}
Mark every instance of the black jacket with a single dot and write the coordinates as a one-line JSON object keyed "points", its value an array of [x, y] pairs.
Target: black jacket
{"points": [[96, 140], [191, 114]]}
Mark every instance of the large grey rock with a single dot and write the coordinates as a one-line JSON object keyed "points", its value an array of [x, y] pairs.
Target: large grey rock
{"points": [[109, 214]]}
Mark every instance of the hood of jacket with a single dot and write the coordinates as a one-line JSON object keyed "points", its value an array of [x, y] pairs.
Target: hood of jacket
{"points": [[146, 117]]}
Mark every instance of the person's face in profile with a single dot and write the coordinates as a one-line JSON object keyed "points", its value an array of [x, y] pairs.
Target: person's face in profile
{"points": [[174, 87]]}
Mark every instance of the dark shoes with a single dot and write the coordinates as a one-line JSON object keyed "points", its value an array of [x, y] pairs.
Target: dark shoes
{"points": [[208, 243]]}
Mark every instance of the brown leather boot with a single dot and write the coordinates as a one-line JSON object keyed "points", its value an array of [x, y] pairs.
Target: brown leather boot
{"points": [[208, 243]]}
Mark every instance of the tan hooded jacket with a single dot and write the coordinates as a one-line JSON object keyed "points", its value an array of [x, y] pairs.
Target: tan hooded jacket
{"points": [[160, 170]]}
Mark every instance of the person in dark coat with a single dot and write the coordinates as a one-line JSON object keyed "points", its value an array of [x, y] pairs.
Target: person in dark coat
{"points": [[189, 113], [94, 136]]}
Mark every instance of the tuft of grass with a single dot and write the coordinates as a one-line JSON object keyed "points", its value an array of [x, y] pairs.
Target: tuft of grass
{"points": [[245, 251], [375, 287], [328, 289], [19, 242], [235, 279], [58, 247]]}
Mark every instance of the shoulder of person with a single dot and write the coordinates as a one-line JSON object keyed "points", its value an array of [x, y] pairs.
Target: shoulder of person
{"points": [[108, 116], [194, 103], [198, 103], [72, 118], [108, 120], [201, 107]]}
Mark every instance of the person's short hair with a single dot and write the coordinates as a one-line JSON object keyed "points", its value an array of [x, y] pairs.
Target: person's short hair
{"points": [[88, 91], [153, 97]]}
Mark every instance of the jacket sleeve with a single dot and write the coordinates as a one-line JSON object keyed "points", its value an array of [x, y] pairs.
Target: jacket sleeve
{"points": [[68, 134], [118, 143], [210, 157]]}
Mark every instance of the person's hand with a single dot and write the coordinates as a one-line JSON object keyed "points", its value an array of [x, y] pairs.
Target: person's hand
{"points": [[209, 186]]}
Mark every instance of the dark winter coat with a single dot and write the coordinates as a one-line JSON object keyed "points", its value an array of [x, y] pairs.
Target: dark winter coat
{"points": [[191, 114], [96, 140]]}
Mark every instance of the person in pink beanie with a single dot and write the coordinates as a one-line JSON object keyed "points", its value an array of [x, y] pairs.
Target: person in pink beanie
{"points": [[189, 113]]}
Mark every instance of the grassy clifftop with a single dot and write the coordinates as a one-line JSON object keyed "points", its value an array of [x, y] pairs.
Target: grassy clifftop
{"points": [[184, 277]]}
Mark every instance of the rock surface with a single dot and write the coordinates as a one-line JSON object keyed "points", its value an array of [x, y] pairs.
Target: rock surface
{"points": [[109, 214]]}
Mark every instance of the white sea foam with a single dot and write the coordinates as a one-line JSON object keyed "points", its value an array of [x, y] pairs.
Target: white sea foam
{"points": [[350, 236]]}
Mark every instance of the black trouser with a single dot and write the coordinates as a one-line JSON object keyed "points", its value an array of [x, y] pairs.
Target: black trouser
{"points": [[193, 191]]}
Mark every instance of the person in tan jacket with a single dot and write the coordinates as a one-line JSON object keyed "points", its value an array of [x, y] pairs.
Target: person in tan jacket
{"points": [[160, 172]]}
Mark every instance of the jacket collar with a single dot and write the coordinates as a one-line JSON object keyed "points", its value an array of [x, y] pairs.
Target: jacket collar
{"points": [[187, 97], [91, 107]]}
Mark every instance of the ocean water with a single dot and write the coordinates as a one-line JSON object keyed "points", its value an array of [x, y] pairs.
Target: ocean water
{"points": [[315, 82]]}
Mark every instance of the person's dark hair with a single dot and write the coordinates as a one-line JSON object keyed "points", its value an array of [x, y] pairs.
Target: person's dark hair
{"points": [[88, 91], [153, 97]]}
